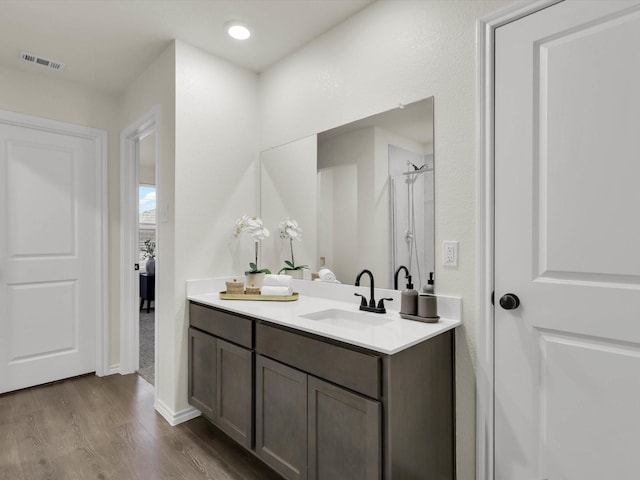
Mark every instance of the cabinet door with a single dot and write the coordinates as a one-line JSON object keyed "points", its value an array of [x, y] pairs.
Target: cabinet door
{"points": [[234, 375], [202, 372], [344, 434], [281, 418]]}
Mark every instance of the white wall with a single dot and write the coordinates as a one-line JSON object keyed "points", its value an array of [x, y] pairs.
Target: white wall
{"points": [[391, 53], [50, 96], [207, 175], [216, 179]]}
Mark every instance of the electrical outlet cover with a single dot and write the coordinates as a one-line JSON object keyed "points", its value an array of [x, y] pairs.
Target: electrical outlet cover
{"points": [[450, 253]]}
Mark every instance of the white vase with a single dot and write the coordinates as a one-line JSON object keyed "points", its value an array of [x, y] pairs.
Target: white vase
{"points": [[150, 266], [254, 280]]}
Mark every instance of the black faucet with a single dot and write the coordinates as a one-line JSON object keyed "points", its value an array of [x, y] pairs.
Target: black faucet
{"points": [[371, 307], [395, 277]]}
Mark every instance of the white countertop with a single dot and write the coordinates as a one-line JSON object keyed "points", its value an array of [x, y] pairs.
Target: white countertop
{"points": [[392, 337]]}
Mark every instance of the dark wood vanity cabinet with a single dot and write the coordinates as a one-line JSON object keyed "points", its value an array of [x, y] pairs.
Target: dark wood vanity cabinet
{"points": [[281, 418], [221, 373], [345, 435], [337, 429], [202, 372], [318, 409], [234, 391], [310, 429]]}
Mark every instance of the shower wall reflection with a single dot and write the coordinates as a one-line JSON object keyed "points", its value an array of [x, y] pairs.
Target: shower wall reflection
{"points": [[412, 213]]}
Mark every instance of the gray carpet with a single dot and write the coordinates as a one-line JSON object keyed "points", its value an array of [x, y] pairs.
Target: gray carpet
{"points": [[147, 346]]}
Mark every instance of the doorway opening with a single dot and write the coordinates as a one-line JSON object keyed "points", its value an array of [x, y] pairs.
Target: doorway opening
{"points": [[139, 244], [147, 255]]}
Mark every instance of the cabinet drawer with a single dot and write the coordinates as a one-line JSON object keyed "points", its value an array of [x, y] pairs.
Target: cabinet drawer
{"points": [[352, 369], [225, 325]]}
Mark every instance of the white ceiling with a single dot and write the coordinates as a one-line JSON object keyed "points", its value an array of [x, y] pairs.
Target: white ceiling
{"points": [[108, 43]]}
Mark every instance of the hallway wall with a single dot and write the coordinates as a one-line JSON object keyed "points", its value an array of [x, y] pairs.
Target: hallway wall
{"points": [[216, 179]]}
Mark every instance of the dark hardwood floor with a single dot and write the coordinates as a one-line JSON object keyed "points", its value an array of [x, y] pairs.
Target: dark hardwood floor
{"points": [[106, 428]]}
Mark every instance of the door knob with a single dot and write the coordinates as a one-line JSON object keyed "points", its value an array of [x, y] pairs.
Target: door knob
{"points": [[509, 301]]}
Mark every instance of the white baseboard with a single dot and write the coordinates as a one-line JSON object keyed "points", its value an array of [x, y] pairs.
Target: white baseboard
{"points": [[175, 418], [111, 370]]}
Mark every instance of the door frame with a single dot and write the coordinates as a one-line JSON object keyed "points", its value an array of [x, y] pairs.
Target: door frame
{"points": [[485, 189], [101, 220], [129, 286]]}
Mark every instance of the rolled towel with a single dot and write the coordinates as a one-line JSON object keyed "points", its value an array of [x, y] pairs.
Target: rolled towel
{"points": [[278, 291], [326, 281], [326, 275], [271, 280]]}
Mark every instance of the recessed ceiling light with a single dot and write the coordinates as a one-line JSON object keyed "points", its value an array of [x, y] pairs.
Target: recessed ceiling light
{"points": [[238, 31]]}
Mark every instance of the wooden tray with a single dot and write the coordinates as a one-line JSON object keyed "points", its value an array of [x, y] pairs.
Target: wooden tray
{"points": [[264, 298]]}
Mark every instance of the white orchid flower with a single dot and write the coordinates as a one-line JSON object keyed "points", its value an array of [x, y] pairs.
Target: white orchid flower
{"points": [[290, 229], [254, 227]]}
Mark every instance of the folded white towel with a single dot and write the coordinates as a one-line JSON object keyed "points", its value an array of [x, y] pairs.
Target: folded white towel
{"points": [[280, 291], [326, 275], [271, 280]]}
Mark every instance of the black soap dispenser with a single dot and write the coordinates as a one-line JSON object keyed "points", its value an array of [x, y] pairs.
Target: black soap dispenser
{"points": [[429, 287], [409, 299]]}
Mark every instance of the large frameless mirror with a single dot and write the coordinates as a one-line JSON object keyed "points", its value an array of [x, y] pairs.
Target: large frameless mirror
{"points": [[363, 194]]}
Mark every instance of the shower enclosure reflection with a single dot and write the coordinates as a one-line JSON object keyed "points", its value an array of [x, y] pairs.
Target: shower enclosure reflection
{"points": [[412, 211]]}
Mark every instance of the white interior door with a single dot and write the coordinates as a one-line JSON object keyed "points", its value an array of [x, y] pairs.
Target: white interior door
{"points": [[49, 256], [567, 162]]}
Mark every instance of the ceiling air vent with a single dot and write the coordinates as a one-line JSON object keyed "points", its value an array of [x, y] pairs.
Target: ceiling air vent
{"points": [[45, 62]]}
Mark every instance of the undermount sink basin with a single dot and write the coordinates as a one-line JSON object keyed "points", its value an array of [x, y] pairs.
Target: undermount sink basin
{"points": [[348, 319]]}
